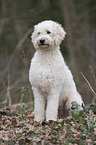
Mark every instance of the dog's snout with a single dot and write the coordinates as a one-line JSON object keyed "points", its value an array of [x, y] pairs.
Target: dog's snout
{"points": [[42, 41]]}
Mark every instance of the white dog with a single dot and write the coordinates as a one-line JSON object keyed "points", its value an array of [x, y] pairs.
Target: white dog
{"points": [[51, 79]]}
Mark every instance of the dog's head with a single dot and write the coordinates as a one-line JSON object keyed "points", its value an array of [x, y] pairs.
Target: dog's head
{"points": [[47, 34]]}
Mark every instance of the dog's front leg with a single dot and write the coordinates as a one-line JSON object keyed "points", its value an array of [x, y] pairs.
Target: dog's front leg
{"points": [[39, 105], [52, 106]]}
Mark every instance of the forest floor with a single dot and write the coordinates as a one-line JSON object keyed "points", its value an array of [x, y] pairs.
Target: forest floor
{"points": [[17, 127]]}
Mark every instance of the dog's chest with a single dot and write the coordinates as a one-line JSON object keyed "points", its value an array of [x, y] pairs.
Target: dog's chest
{"points": [[46, 72], [42, 75]]}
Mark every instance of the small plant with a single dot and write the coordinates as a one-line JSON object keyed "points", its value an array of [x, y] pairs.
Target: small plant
{"points": [[22, 92]]}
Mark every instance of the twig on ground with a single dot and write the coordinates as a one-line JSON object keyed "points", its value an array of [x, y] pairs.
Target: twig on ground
{"points": [[93, 74], [21, 100], [8, 97], [93, 92]]}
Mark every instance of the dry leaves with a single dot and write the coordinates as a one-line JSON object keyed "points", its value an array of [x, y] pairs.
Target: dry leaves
{"points": [[19, 128]]}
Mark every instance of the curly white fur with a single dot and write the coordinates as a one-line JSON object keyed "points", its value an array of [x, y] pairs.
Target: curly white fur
{"points": [[49, 76]]}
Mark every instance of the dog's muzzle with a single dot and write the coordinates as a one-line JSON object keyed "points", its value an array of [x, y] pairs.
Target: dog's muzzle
{"points": [[43, 44]]}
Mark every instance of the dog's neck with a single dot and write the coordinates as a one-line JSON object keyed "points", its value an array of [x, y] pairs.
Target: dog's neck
{"points": [[51, 50], [49, 55]]}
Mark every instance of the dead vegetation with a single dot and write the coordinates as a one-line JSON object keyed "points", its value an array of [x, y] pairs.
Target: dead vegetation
{"points": [[17, 126]]}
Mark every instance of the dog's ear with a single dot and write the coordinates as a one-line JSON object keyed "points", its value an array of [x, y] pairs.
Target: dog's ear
{"points": [[33, 34], [60, 34]]}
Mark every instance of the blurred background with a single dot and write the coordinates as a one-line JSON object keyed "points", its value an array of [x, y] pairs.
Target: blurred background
{"points": [[17, 19]]}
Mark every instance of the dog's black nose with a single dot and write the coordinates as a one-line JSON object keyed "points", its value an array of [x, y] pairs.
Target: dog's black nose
{"points": [[42, 41]]}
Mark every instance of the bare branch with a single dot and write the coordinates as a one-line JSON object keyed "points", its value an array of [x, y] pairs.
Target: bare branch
{"points": [[93, 74], [94, 93], [16, 48], [12, 86]]}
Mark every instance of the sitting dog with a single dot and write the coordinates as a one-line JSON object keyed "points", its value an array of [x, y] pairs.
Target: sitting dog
{"points": [[50, 77]]}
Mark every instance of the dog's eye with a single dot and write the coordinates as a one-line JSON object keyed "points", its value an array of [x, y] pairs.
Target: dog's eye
{"points": [[38, 33], [48, 32]]}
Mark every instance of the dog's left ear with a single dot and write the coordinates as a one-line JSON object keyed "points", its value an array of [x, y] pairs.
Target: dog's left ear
{"points": [[60, 34]]}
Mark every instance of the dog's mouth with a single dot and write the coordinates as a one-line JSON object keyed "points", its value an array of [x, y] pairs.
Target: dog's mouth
{"points": [[44, 46]]}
